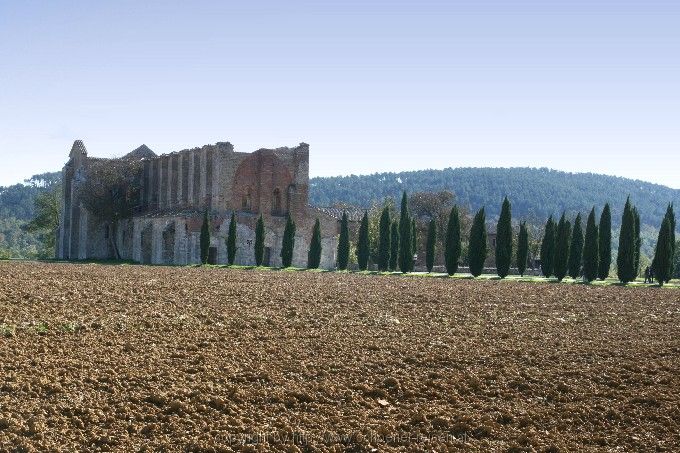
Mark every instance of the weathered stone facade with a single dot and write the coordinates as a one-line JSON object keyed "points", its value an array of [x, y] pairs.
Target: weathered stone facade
{"points": [[174, 192]]}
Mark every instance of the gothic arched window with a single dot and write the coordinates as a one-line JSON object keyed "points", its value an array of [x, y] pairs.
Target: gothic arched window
{"points": [[246, 202], [276, 202], [289, 197]]}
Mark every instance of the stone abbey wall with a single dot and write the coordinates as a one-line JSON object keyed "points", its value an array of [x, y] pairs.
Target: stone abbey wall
{"points": [[175, 191]]}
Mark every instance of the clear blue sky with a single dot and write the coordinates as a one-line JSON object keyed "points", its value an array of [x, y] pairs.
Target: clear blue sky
{"points": [[578, 85]]}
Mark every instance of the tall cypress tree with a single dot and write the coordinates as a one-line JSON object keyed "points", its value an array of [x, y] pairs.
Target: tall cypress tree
{"points": [[638, 242], [363, 247], [548, 248], [670, 215], [430, 247], [591, 249], [605, 243], [288, 244], [562, 243], [231, 240], [452, 246], [477, 251], [663, 253], [394, 246], [259, 241], [576, 248], [343, 243], [384, 240], [405, 247], [504, 240], [314, 254], [205, 238], [625, 261], [522, 248], [414, 243]]}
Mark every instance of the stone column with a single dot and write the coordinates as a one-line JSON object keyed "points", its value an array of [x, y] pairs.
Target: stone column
{"points": [[83, 227], [180, 176], [168, 182], [203, 185], [190, 186], [162, 182]]}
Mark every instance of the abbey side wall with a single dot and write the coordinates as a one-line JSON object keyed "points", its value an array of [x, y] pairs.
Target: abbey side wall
{"points": [[176, 190]]}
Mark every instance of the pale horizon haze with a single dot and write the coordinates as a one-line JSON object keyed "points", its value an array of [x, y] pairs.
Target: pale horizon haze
{"points": [[580, 86]]}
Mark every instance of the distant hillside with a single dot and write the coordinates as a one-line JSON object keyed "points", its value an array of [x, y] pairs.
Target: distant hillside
{"points": [[535, 193]]}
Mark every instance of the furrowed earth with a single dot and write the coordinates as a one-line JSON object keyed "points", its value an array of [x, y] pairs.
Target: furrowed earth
{"points": [[133, 358]]}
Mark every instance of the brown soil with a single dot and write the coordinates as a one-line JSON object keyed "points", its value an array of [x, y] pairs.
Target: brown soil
{"points": [[130, 358]]}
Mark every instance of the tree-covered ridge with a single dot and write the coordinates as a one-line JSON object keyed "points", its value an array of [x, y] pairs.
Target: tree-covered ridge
{"points": [[17, 209], [536, 193]]}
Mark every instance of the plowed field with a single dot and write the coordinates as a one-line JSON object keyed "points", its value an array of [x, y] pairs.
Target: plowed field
{"points": [[132, 358]]}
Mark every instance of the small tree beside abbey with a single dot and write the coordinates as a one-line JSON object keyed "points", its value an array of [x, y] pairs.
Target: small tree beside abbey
{"points": [[431, 244], [562, 247], [605, 243], [591, 249], [548, 248], [394, 246], [384, 240], [343, 243], [405, 231], [363, 250], [288, 244], [504, 240], [452, 247], [478, 247], [663, 255], [259, 241], [522, 248], [314, 254], [625, 260], [576, 248], [205, 238], [231, 240]]}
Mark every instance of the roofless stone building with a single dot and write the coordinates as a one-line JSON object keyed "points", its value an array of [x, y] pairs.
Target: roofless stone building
{"points": [[173, 191]]}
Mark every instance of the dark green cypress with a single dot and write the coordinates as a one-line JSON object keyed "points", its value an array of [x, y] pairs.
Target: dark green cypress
{"points": [[663, 253], [504, 240], [452, 247], [259, 241], [384, 240], [605, 243], [314, 254], [576, 248], [363, 247], [477, 251], [430, 248], [205, 238], [394, 246], [343, 243], [670, 215], [414, 243], [625, 261], [638, 242], [405, 247], [562, 243], [548, 248], [288, 243], [591, 249], [231, 240], [522, 248]]}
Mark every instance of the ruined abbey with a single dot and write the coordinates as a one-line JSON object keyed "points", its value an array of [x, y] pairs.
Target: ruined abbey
{"points": [[173, 193]]}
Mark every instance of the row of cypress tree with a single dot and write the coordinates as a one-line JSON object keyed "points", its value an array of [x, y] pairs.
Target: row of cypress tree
{"points": [[564, 251], [564, 248], [287, 245]]}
